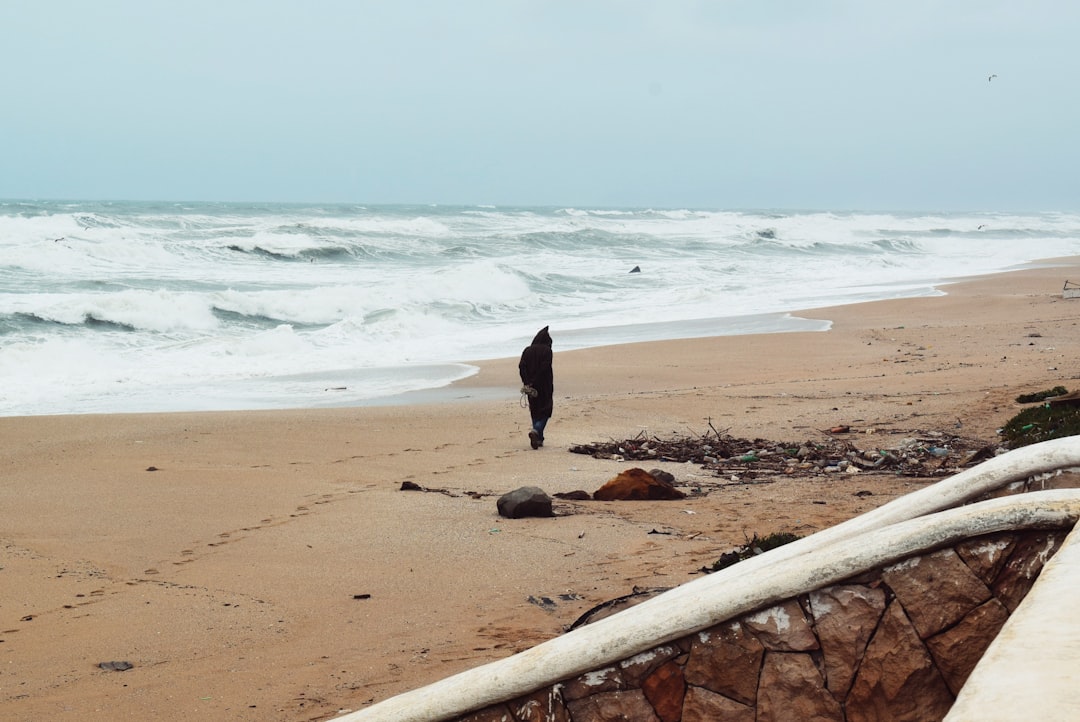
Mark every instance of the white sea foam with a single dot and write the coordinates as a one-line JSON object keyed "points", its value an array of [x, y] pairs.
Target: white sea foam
{"points": [[135, 306]]}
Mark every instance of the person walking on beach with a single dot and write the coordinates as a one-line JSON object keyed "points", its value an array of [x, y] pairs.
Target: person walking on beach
{"points": [[538, 384]]}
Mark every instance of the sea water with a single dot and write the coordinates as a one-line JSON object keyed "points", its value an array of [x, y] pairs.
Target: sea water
{"points": [[135, 306]]}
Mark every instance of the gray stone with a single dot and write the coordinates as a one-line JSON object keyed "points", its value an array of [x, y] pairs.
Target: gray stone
{"points": [[525, 501], [665, 477]]}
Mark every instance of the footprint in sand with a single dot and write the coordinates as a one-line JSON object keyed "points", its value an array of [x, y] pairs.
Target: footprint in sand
{"points": [[223, 535]]}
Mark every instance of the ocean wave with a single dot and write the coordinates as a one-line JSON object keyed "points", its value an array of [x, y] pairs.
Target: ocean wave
{"points": [[380, 225], [151, 300], [151, 311], [903, 246], [18, 322], [306, 253], [250, 320]]}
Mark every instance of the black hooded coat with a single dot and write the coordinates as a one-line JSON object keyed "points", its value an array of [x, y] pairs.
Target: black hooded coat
{"points": [[535, 371]]}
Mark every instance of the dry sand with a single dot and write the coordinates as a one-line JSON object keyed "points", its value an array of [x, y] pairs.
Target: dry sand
{"points": [[270, 568]]}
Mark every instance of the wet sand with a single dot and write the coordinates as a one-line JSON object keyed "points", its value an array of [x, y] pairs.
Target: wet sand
{"points": [[267, 566]]}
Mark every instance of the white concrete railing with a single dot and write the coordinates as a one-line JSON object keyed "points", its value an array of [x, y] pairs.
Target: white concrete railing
{"points": [[1031, 670], [908, 525]]}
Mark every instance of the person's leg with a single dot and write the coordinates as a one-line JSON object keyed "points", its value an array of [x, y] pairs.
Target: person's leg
{"points": [[538, 427]]}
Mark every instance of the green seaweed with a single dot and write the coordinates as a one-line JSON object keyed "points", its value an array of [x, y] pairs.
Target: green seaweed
{"points": [[1042, 423], [1041, 395], [753, 547]]}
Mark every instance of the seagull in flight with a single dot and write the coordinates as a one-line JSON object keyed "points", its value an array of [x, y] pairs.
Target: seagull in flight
{"points": [[991, 77]]}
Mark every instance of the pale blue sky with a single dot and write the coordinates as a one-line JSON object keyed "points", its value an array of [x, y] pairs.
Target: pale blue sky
{"points": [[723, 104]]}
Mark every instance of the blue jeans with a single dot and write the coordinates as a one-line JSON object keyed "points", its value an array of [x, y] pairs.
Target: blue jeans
{"points": [[538, 426]]}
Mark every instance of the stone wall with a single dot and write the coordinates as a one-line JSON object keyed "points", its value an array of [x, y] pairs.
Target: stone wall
{"points": [[893, 644]]}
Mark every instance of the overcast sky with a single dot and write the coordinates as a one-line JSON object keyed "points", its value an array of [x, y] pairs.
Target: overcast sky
{"points": [[790, 104]]}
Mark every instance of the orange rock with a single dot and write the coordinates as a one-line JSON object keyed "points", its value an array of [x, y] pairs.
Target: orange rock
{"points": [[636, 484]]}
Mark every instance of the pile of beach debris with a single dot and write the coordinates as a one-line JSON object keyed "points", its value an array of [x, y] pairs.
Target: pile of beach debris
{"points": [[843, 449]]}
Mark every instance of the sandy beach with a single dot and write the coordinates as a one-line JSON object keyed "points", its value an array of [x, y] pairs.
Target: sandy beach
{"points": [[268, 566]]}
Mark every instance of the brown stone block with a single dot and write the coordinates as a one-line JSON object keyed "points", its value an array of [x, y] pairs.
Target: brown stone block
{"points": [[845, 617], [665, 689], [638, 667], [726, 659], [956, 651], [936, 589], [1063, 480], [704, 706], [1028, 558], [607, 679], [494, 713], [985, 555], [897, 679], [1010, 489], [625, 706], [544, 705], [792, 688], [783, 628], [869, 578]]}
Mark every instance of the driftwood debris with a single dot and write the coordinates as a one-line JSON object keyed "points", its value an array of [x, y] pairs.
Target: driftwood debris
{"points": [[914, 453]]}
